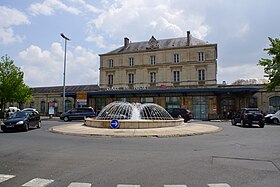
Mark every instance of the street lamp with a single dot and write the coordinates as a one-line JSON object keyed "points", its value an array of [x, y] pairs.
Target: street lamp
{"points": [[65, 39]]}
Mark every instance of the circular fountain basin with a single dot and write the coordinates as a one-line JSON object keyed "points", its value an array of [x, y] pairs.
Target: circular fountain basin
{"points": [[134, 124], [133, 116]]}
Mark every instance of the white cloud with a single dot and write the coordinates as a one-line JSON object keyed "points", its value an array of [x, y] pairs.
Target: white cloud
{"points": [[233, 73], [45, 67], [87, 6], [8, 19], [99, 40], [49, 6], [137, 19]]}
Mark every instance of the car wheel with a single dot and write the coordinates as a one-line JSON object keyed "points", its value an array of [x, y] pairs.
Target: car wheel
{"points": [[243, 123], [26, 127], [66, 118], [233, 122], [39, 125], [275, 121], [261, 125]]}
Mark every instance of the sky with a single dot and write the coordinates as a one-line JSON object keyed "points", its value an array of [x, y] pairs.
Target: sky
{"points": [[30, 33]]}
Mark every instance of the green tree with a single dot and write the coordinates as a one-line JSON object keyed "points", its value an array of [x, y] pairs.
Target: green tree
{"points": [[12, 87], [272, 66]]}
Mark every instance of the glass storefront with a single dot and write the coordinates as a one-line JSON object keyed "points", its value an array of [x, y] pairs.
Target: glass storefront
{"points": [[99, 104], [172, 102], [200, 107]]}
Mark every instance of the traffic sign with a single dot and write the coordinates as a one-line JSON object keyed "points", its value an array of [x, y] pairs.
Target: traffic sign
{"points": [[114, 124]]}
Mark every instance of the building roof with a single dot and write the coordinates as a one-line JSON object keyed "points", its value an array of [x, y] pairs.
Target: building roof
{"points": [[160, 44], [59, 89]]}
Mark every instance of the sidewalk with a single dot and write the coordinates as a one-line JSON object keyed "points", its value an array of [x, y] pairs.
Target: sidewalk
{"points": [[188, 129]]}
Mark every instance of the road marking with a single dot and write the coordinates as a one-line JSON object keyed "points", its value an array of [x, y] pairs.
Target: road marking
{"points": [[180, 185], [127, 185], [5, 177], [38, 182], [219, 185], [78, 184]]}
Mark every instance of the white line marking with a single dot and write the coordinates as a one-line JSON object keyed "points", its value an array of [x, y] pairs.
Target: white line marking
{"points": [[38, 182], [219, 185], [127, 185], [5, 177], [78, 184], [175, 185]]}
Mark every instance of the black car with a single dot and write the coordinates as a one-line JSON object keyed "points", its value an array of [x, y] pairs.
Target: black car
{"points": [[180, 113], [248, 116], [77, 113], [22, 120]]}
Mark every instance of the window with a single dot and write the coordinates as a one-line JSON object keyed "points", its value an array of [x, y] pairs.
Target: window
{"points": [[176, 58], [176, 76], [153, 60], [200, 56], [147, 99], [130, 78], [43, 106], [111, 63], [153, 77], [68, 105], [110, 79], [201, 74], [172, 102], [131, 61]]}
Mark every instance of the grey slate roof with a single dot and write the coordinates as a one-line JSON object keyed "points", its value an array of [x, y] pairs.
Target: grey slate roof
{"points": [[72, 89], [162, 44]]}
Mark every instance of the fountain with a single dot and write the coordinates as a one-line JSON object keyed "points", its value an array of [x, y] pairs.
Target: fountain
{"points": [[133, 116]]}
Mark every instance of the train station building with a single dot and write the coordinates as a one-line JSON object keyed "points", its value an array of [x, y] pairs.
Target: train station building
{"points": [[176, 72]]}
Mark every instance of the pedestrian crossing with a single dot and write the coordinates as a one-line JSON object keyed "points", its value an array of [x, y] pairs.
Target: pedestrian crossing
{"points": [[41, 182]]}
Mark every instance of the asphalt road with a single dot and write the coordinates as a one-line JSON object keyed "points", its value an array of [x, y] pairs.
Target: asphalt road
{"points": [[234, 157]]}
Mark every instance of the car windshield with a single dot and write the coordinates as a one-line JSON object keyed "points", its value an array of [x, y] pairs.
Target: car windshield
{"points": [[20, 114], [253, 111]]}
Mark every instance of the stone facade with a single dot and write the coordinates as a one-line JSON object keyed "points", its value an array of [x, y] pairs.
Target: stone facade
{"points": [[178, 72], [159, 63]]}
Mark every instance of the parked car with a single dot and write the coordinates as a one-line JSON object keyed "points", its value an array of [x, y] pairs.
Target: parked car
{"points": [[9, 111], [180, 112], [248, 116], [77, 113], [273, 118], [21, 120]]}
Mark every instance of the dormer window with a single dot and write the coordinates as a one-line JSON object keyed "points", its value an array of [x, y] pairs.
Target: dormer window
{"points": [[153, 43]]}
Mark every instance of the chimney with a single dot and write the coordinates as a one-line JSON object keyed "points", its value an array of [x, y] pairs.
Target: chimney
{"points": [[188, 38], [126, 42]]}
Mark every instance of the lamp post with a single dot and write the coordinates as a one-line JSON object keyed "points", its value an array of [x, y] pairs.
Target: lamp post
{"points": [[64, 68]]}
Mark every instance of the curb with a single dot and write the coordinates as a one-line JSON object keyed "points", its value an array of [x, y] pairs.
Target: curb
{"points": [[178, 131]]}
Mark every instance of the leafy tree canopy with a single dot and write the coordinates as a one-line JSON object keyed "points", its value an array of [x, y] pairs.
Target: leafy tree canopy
{"points": [[12, 87], [272, 66]]}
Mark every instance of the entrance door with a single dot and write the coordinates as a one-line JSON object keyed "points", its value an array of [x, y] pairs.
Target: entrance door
{"points": [[200, 107]]}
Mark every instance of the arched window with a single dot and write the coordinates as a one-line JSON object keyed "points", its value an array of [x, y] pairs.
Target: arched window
{"points": [[43, 107]]}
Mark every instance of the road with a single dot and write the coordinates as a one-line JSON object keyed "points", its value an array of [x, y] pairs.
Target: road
{"points": [[234, 157]]}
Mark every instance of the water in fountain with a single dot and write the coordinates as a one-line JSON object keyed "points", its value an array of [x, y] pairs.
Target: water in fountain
{"points": [[133, 111]]}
